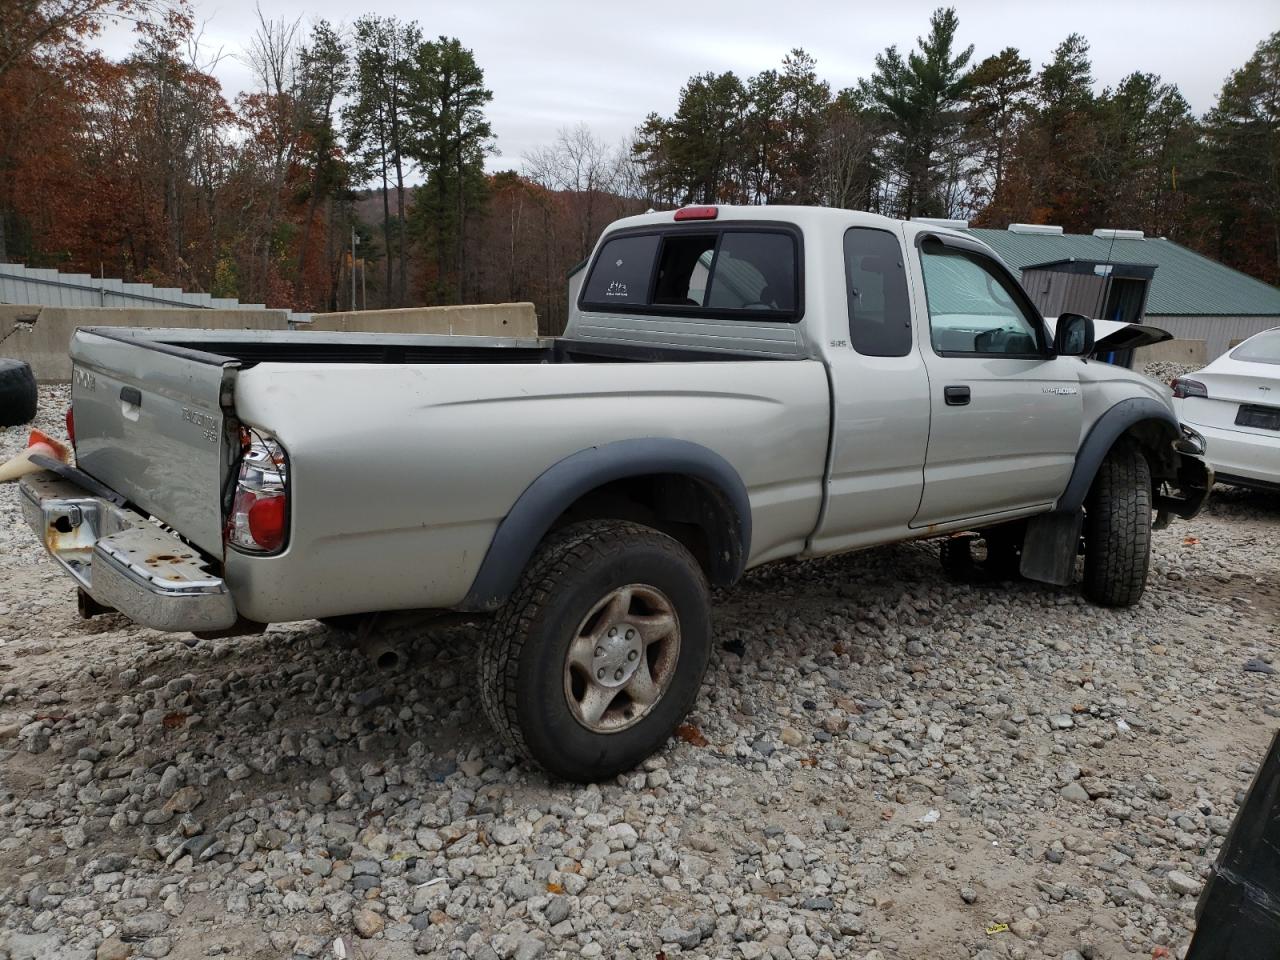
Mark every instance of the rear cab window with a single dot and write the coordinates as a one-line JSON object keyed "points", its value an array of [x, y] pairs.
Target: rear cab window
{"points": [[621, 274], [734, 271]]}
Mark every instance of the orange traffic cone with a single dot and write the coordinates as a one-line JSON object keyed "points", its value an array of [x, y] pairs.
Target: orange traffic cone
{"points": [[37, 443]]}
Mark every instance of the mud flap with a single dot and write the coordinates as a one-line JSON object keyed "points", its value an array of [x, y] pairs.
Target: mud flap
{"points": [[1238, 915], [1051, 546]]}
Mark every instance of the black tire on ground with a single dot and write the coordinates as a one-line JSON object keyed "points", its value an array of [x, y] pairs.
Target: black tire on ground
{"points": [[1004, 551], [17, 393], [1117, 529], [956, 556], [530, 676]]}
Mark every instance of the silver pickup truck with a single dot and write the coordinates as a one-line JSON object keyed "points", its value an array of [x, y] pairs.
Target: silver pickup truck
{"points": [[736, 385]]}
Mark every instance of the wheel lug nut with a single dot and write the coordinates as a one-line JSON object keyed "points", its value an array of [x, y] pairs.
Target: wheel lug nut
{"points": [[618, 674], [631, 634], [613, 632], [632, 655], [600, 674], [599, 651]]}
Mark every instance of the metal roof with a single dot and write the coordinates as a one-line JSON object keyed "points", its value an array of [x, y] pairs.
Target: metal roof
{"points": [[50, 288], [1185, 283]]}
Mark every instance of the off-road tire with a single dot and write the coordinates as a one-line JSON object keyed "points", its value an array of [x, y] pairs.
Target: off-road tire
{"points": [[522, 658], [1117, 529], [17, 393]]}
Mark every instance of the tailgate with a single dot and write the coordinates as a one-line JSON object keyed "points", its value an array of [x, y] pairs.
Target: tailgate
{"points": [[149, 424]]}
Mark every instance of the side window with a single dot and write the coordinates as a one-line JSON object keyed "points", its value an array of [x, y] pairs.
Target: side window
{"points": [[879, 308], [683, 271], [622, 271], [754, 271], [972, 308]]}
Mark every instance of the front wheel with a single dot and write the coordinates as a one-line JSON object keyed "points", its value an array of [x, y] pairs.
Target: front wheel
{"points": [[599, 653], [1117, 529]]}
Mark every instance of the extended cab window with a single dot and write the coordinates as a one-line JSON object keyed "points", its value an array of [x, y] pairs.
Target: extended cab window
{"points": [[879, 310], [622, 270], [684, 271], [726, 272], [755, 271], [973, 308]]}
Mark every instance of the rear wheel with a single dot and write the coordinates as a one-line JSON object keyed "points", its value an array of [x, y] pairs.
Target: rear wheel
{"points": [[600, 652], [1117, 529], [17, 393]]}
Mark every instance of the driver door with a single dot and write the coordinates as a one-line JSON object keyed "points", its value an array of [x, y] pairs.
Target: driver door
{"points": [[1005, 414]]}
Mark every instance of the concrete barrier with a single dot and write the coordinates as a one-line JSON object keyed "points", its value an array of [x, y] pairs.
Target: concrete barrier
{"points": [[475, 320], [42, 335], [1186, 352]]}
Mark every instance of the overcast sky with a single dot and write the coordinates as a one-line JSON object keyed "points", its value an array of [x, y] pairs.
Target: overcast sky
{"points": [[555, 63]]}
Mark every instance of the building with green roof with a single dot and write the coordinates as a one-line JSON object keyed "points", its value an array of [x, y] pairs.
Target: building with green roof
{"points": [[1193, 297]]}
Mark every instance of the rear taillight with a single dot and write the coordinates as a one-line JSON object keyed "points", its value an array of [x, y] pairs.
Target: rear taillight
{"points": [[71, 426], [1183, 388], [259, 517]]}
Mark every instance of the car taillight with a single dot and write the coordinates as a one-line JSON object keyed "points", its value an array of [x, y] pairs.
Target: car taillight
{"points": [[1183, 388], [71, 426], [259, 517]]}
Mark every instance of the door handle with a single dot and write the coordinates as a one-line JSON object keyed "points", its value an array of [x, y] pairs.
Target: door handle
{"points": [[131, 395], [956, 396]]}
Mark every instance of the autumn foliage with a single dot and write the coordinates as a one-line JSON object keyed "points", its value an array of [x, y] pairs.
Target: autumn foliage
{"points": [[144, 169]]}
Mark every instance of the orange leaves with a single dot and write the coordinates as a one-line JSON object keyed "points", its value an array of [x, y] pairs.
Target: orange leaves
{"points": [[691, 735]]}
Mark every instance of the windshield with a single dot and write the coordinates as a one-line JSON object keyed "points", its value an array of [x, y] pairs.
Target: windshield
{"points": [[1264, 348]]}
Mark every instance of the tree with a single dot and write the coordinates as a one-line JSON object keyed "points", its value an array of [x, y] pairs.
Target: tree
{"points": [[847, 172], [1240, 180], [376, 124], [323, 72], [30, 26], [1053, 153], [449, 142], [999, 100], [1145, 132], [584, 168], [920, 97], [696, 155]]}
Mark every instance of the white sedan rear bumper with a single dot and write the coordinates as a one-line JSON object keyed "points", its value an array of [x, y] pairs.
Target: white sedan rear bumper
{"points": [[1245, 459]]}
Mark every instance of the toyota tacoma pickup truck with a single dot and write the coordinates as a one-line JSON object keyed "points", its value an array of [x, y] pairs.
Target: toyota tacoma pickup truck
{"points": [[735, 386]]}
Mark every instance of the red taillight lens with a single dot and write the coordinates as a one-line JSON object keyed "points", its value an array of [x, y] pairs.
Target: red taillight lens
{"points": [[1183, 388], [266, 522], [259, 518], [697, 213], [71, 426]]}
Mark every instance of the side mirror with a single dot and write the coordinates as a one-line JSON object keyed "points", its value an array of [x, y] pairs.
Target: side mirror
{"points": [[1073, 336]]}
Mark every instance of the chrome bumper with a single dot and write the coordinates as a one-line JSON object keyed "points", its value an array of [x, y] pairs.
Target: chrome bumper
{"points": [[125, 561]]}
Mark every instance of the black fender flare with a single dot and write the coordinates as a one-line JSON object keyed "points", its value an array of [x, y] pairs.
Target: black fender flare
{"points": [[1101, 437], [565, 481]]}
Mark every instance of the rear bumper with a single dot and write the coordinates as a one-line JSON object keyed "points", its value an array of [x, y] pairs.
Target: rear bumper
{"points": [[1247, 458], [123, 560]]}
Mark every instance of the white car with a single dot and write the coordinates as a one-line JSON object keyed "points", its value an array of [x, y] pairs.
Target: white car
{"points": [[1235, 403]]}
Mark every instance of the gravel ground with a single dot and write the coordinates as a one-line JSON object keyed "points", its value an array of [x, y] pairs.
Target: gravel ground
{"points": [[882, 764], [1166, 370]]}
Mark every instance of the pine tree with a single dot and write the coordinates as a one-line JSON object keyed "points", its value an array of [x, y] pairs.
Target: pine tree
{"points": [[920, 98], [450, 140]]}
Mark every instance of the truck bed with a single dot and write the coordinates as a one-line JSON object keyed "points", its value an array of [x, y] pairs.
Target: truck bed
{"points": [[405, 447], [299, 346]]}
